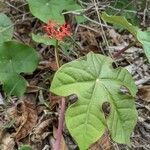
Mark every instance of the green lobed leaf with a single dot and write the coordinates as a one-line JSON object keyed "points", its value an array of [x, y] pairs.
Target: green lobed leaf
{"points": [[144, 38], [120, 20], [16, 58], [51, 9], [94, 81], [6, 28], [45, 40]]}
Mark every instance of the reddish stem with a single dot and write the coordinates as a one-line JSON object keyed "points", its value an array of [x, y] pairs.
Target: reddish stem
{"points": [[60, 125]]}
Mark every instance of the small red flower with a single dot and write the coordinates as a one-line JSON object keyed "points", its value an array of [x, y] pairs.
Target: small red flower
{"points": [[57, 31]]}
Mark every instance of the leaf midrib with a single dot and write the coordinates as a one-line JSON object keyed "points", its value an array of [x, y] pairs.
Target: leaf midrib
{"points": [[88, 109]]}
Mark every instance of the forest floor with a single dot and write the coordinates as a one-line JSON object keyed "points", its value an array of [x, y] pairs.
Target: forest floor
{"points": [[39, 108]]}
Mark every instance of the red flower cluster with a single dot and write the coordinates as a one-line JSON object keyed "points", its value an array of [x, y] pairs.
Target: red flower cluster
{"points": [[57, 31]]}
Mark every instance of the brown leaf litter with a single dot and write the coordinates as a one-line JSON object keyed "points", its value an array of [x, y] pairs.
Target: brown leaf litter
{"points": [[144, 93], [102, 144], [7, 142], [40, 132], [24, 115]]}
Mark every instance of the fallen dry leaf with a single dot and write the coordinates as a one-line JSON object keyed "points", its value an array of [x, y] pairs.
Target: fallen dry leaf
{"points": [[102, 144], [7, 142], [40, 132], [54, 100], [89, 37], [116, 38], [89, 40], [50, 64], [25, 116], [144, 93], [53, 65], [32, 89]]}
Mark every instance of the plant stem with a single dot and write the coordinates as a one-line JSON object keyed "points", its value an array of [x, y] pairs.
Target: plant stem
{"points": [[60, 125], [57, 55], [57, 144], [124, 49]]}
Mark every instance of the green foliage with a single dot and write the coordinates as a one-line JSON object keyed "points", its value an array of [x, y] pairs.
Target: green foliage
{"points": [[16, 58], [124, 8], [95, 82], [121, 21], [25, 147], [65, 46], [45, 40], [6, 28], [51, 9], [142, 37]]}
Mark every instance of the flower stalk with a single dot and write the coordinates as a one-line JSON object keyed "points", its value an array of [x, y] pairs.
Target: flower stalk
{"points": [[59, 33]]}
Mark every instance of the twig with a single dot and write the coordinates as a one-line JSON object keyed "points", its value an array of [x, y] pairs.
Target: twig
{"points": [[124, 49], [125, 10], [7, 3], [102, 29], [103, 32], [95, 22], [90, 28], [145, 11]]}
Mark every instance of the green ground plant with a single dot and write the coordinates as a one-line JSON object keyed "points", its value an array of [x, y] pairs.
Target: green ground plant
{"points": [[91, 78]]}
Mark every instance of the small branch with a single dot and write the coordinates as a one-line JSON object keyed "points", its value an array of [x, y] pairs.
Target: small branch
{"points": [[145, 11], [95, 22], [7, 3], [124, 49]]}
